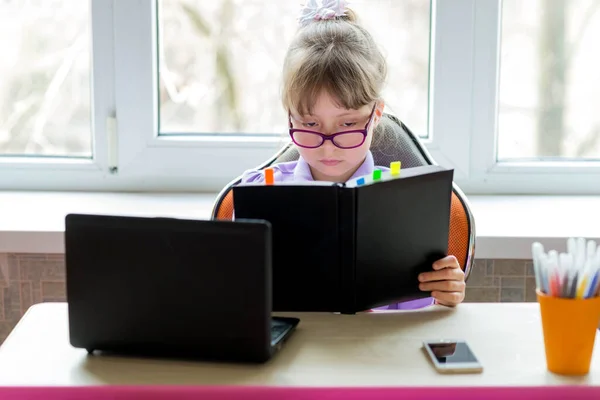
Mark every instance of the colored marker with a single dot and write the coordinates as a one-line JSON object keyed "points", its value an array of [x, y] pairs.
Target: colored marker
{"points": [[376, 174], [582, 286], [360, 181], [555, 285], [269, 178], [592, 287], [395, 168]]}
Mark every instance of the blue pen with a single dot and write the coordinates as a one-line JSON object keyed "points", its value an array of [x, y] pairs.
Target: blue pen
{"points": [[592, 288]]}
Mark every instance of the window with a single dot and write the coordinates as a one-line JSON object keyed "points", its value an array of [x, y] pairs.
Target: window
{"points": [[184, 94], [220, 62], [549, 81], [533, 127], [45, 85]]}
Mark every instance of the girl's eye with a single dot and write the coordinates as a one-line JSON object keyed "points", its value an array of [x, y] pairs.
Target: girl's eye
{"points": [[310, 124], [349, 124]]}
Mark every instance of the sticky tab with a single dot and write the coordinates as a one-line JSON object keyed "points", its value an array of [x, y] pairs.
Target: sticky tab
{"points": [[376, 174], [360, 181], [269, 177], [395, 167]]}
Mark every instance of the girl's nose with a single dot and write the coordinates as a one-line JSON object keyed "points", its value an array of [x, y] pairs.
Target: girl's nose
{"points": [[328, 147]]}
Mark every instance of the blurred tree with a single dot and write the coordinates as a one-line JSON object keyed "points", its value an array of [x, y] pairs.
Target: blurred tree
{"points": [[551, 50], [555, 57], [227, 104], [44, 93]]}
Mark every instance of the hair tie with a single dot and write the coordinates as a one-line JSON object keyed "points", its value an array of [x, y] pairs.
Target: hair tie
{"points": [[316, 10]]}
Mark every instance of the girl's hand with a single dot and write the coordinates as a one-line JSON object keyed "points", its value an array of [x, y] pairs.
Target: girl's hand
{"points": [[446, 282]]}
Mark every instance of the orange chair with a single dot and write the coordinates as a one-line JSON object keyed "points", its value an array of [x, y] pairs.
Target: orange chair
{"points": [[393, 141]]}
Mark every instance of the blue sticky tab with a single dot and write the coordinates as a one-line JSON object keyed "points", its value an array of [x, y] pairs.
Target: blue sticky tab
{"points": [[360, 181]]}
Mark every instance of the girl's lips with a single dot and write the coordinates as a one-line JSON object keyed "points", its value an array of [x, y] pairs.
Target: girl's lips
{"points": [[330, 163]]}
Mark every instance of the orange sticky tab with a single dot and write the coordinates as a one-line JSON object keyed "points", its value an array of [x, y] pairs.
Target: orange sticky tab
{"points": [[269, 178]]}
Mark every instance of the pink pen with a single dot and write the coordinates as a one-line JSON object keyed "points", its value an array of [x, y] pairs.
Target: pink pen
{"points": [[554, 273], [555, 285]]}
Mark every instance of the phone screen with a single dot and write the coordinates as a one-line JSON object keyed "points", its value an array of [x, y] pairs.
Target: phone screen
{"points": [[452, 352]]}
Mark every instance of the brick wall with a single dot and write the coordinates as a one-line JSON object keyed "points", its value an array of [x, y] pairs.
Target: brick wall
{"points": [[27, 279]]}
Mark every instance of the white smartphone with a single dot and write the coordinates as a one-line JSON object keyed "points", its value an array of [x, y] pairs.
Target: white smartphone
{"points": [[452, 356]]}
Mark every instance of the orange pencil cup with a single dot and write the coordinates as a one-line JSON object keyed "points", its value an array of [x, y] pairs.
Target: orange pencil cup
{"points": [[569, 327]]}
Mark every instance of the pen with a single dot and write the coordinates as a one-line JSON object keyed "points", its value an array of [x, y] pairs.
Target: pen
{"points": [[574, 274], [537, 250], [582, 285], [563, 259], [591, 289], [544, 271], [580, 253], [572, 284], [571, 246], [554, 273], [571, 277], [591, 250], [595, 281]]}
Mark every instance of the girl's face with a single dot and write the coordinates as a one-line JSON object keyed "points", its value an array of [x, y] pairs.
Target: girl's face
{"points": [[329, 162]]}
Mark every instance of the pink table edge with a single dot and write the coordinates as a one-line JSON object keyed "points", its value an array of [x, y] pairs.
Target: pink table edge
{"points": [[296, 393]]}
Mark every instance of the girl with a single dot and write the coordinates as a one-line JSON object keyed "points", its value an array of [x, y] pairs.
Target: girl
{"points": [[332, 78]]}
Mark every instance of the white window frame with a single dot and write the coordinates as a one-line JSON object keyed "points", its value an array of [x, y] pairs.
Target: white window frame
{"points": [[487, 175], [25, 173], [129, 154], [186, 162]]}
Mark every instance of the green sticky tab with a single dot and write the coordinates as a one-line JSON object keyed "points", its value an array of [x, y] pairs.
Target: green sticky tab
{"points": [[376, 174]]}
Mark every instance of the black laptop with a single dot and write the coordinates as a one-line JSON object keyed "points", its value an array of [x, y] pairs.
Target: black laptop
{"points": [[172, 287]]}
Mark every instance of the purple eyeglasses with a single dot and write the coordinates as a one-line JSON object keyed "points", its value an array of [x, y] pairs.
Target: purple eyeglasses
{"points": [[344, 140]]}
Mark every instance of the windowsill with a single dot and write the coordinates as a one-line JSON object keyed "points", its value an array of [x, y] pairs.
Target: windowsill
{"points": [[33, 222]]}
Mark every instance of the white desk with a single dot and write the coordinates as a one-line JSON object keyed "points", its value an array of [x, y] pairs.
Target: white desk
{"points": [[381, 349]]}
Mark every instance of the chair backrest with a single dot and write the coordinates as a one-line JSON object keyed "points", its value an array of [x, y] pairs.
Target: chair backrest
{"points": [[392, 141]]}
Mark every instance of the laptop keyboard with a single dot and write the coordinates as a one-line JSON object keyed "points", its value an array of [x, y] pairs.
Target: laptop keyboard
{"points": [[278, 328]]}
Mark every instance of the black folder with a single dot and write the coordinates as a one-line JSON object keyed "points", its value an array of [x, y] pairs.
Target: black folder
{"points": [[339, 247]]}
